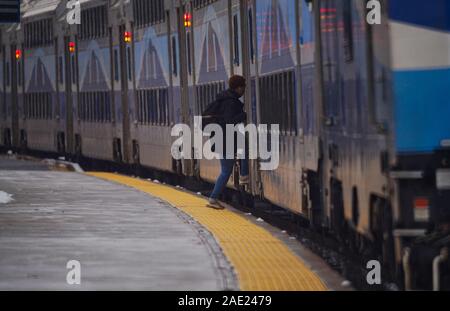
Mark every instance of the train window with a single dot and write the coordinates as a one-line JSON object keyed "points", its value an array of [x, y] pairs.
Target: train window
{"points": [[94, 23], [236, 40], [85, 107], [38, 33], [108, 107], [44, 107], [38, 106], [148, 12], [91, 107], [80, 107], [348, 31], [160, 115], [140, 107], [145, 104], [88, 107], [94, 105], [101, 107], [174, 56], [97, 107], [250, 33], [151, 109], [129, 63], [60, 70], [48, 106], [277, 101], [153, 106], [206, 93]]}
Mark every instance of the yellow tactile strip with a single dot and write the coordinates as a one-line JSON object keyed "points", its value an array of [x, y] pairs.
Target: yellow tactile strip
{"points": [[261, 261]]}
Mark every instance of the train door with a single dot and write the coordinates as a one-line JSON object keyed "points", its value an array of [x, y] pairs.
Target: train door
{"points": [[312, 111], [306, 48], [251, 65], [68, 51], [14, 98], [125, 76], [241, 22]]}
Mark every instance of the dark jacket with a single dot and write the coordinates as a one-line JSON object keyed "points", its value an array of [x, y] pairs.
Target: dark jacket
{"points": [[229, 109]]}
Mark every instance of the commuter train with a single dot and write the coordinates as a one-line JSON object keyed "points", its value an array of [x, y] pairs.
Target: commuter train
{"points": [[362, 108]]}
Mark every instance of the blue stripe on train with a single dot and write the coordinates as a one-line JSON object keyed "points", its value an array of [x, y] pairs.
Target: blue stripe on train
{"points": [[433, 14], [422, 109]]}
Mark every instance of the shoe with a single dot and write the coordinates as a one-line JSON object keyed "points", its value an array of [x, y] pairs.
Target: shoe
{"points": [[244, 180], [214, 204]]}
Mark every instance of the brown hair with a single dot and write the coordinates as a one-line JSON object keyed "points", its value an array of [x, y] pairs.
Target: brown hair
{"points": [[236, 81]]}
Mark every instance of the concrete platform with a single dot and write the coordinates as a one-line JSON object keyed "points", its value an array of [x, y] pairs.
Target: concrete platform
{"points": [[124, 239]]}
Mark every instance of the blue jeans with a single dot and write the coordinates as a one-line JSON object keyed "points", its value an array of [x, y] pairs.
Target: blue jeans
{"points": [[226, 170]]}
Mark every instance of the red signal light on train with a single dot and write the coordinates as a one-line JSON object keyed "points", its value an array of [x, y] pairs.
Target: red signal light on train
{"points": [[18, 54], [71, 47], [127, 37], [187, 19]]}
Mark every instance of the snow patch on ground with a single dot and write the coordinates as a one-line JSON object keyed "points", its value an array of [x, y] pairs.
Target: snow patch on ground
{"points": [[5, 197]]}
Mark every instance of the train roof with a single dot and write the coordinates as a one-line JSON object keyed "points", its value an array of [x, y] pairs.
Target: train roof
{"points": [[37, 7]]}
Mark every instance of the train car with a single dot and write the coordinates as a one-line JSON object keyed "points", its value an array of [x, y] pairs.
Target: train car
{"points": [[156, 82], [354, 141], [420, 71], [96, 92], [277, 77], [213, 46], [37, 100]]}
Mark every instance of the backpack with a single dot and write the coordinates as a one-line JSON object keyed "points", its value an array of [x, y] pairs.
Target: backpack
{"points": [[212, 114]]}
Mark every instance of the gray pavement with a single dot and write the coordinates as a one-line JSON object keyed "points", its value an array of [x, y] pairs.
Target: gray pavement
{"points": [[123, 239]]}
